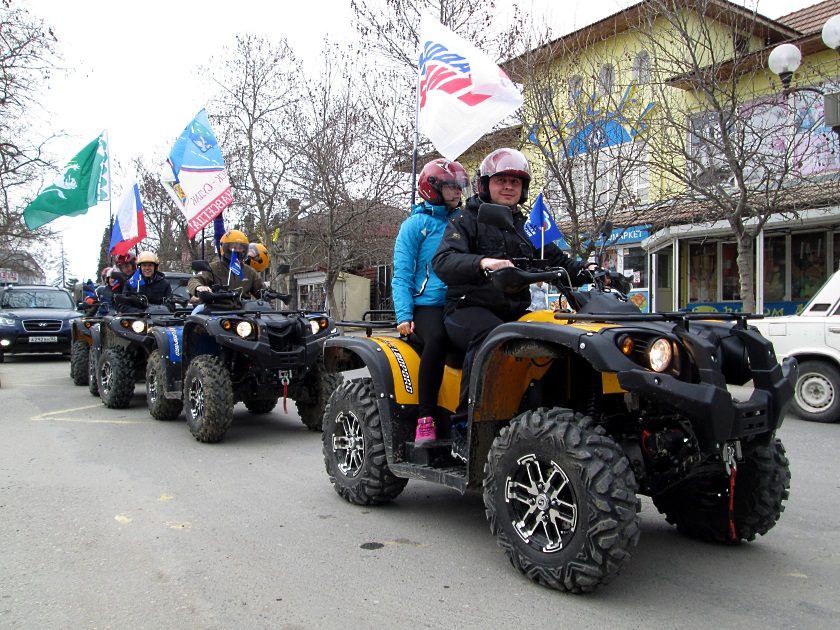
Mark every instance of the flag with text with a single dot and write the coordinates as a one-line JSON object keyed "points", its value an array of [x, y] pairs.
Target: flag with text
{"points": [[195, 177], [540, 227]]}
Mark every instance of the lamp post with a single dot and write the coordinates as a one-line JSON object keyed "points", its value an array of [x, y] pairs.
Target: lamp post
{"points": [[785, 59]]}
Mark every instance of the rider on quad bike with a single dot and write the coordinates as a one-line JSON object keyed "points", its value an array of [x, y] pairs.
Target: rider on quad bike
{"points": [[123, 341], [236, 349], [572, 414]]}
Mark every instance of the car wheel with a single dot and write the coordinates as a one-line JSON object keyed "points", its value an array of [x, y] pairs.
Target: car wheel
{"points": [[817, 393], [208, 398], [561, 499], [161, 407]]}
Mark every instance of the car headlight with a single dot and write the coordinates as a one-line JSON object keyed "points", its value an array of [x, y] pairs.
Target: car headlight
{"points": [[138, 326], [7, 321], [660, 355], [244, 329]]}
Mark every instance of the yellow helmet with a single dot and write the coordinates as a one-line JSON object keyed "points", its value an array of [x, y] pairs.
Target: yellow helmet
{"points": [[233, 241], [148, 257], [258, 256]]}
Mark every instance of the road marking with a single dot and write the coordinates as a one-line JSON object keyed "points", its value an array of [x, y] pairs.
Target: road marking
{"points": [[177, 524], [165, 497], [54, 415], [122, 519]]}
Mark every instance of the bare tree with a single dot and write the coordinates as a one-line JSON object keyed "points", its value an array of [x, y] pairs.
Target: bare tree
{"points": [[722, 146], [350, 136], [26, 51], [259, 94], [588, 122]]}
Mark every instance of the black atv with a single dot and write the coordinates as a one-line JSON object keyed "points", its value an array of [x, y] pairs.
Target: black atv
{"points": [[124, 346], [82, 340], [572, 414], [232, 350]]}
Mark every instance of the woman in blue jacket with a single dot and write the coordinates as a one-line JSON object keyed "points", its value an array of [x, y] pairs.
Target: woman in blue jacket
{"points": [[419, 295]]}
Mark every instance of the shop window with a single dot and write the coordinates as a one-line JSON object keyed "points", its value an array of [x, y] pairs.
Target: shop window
{"points": [[729, 280], [775, 285], [835, 262], [664, 269], [311, 297], [702, 275], [808, 261], [635, 266]]}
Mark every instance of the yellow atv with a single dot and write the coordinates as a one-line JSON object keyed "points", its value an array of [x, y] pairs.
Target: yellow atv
{"points": [[572, 415]]}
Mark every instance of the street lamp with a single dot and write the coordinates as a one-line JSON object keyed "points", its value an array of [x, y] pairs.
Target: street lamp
{"points": [[785, 59]]}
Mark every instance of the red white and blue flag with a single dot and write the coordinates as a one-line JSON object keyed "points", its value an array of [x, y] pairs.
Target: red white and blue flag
{"points": [[129, 225], [195, 176], [462, 92]]}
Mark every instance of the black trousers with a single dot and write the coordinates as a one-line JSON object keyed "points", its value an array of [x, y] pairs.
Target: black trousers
{"points": [[429, 328], [467, 329]]}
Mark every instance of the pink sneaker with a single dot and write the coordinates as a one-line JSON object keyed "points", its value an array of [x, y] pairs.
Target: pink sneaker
{"points": [[426, 431]]}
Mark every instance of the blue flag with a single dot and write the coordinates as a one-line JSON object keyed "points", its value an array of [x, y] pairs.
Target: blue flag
{"points": [[136, 280], [540, 227], [235, 267]]}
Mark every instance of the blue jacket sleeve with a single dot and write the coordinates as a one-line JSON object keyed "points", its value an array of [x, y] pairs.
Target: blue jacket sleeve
{"points": [[406, 252]]}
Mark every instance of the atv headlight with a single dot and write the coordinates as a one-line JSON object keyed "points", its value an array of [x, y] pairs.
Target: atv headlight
{"points": [[244, 329], [660, 355], [138, 326], [318, 324]]}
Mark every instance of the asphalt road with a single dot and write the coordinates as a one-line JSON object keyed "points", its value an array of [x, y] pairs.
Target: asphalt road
{"points": [[111, 519]]}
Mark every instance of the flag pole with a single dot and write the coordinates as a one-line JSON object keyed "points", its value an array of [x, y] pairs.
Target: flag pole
{"points": [[416, 140], [110, 201], [542, 227]]}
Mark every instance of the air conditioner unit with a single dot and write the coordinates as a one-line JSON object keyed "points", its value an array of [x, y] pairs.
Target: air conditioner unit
{"points": [[831, 105]]}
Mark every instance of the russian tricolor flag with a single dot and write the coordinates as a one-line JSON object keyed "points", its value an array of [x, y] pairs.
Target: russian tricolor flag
{"points": [[129, 224]]}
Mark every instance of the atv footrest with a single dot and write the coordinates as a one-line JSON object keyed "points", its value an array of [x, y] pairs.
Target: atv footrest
{"points": [[452, 476], [435, 453]]}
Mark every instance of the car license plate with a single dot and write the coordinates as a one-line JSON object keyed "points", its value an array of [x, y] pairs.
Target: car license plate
{"points": [[52, 339]]}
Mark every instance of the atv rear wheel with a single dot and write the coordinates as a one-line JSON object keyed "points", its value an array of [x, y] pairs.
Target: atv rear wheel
{"points": [[816, 396], [700, 508], [561, 499], [161, 407], [208, 397], [311, 409], [354, 452], [116, 377], [79, 362], [260, 405]]}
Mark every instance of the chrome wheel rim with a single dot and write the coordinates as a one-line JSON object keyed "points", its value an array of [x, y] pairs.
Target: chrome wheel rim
{"points": [[151, 383], [196, 399], [348, 444], [542, 504], [106, 377]]}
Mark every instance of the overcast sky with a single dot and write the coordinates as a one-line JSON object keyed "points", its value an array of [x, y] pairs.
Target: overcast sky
{"points": [[131, 70]]}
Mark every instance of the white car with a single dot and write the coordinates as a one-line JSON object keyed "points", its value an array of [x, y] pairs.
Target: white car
{"points": [[813, 338]]}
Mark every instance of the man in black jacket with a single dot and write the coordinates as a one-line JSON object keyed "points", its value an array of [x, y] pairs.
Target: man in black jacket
{"points": [[469, 250]]}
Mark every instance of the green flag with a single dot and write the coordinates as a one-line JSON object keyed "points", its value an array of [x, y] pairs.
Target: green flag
{"points": [[84, 182]]}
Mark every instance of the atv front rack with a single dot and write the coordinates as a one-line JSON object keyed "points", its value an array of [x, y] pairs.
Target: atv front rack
{"points": [[674, 316]]}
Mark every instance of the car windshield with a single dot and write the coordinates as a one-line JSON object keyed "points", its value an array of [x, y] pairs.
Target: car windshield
{"points": [[37, 299]]}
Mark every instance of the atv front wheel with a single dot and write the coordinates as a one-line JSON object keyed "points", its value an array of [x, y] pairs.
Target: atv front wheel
{"points": [[260, 405], [561, 499], [161, 407], [116, 377], [700, 508], [354, 452], [93, 377], [311, 409], [208, 397], [79, 362], [816, 396]]}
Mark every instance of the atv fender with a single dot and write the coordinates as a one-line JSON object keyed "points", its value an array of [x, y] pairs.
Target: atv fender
{"points": [[169, 343], [392, 365]]}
